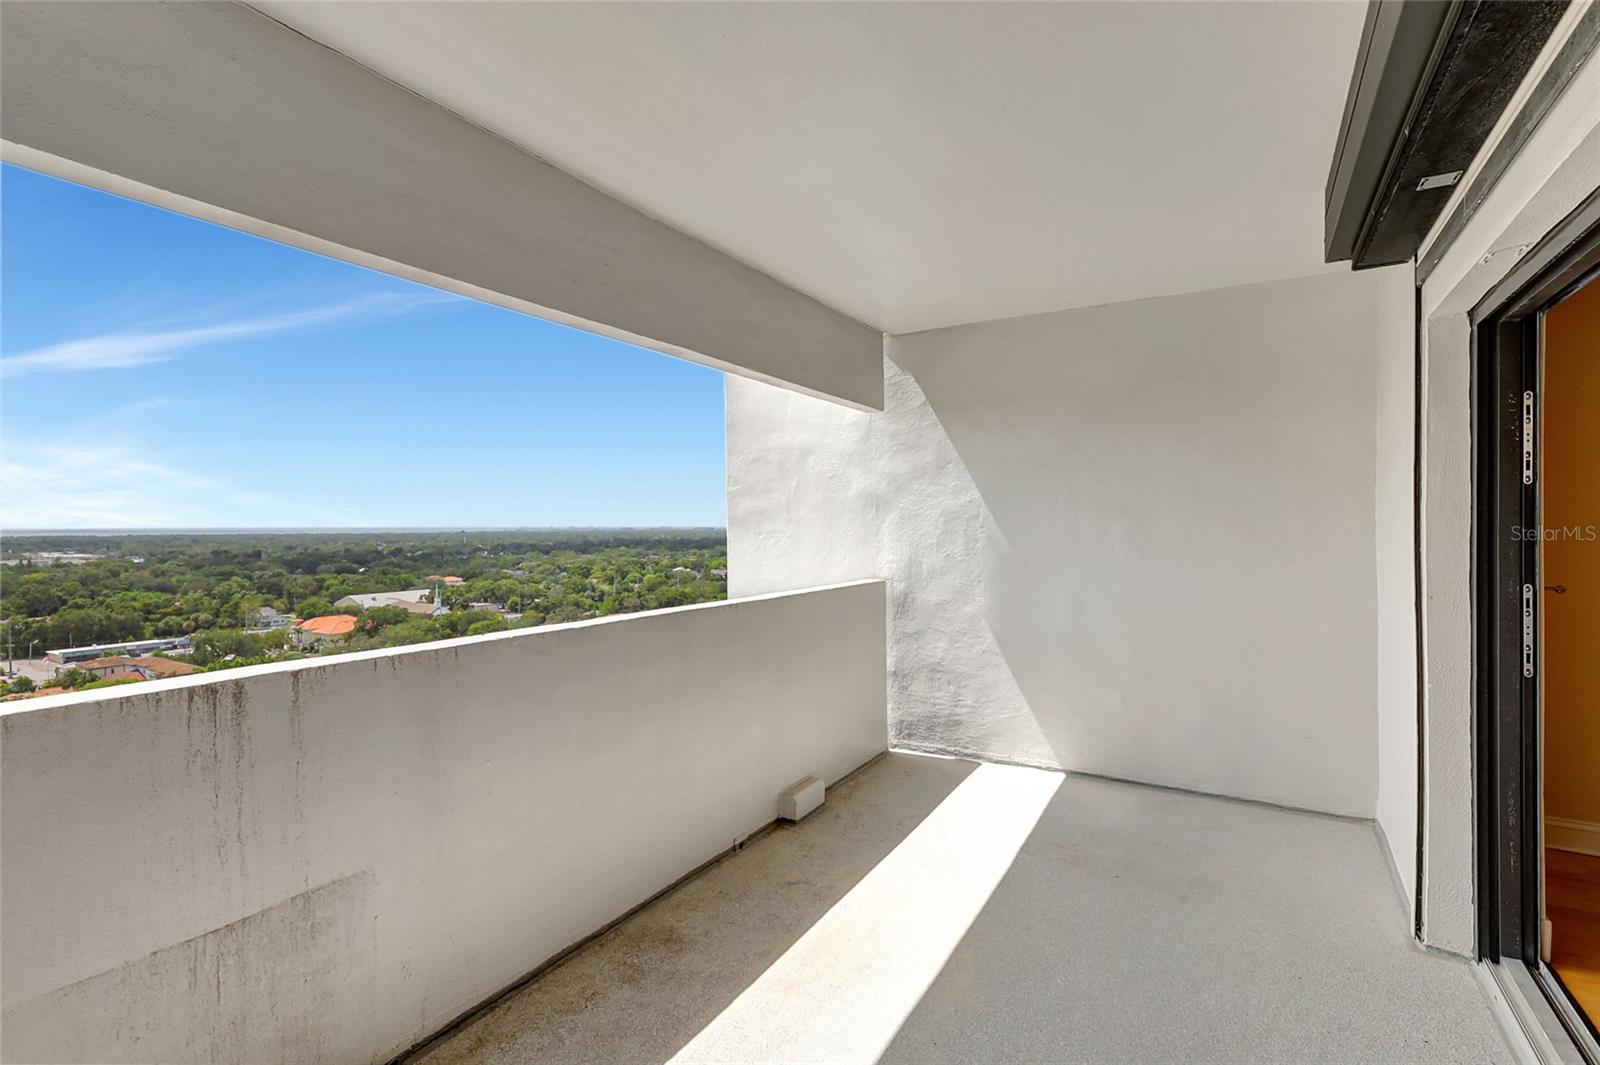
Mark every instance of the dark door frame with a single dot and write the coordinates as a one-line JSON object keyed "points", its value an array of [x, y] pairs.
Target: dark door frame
{"points": [[1506, 589]]}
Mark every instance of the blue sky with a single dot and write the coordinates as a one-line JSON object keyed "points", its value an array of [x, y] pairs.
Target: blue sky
{"points": [[160, 371]]}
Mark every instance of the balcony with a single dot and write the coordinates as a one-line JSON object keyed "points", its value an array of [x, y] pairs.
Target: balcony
{"points": [[944, 910], [334, 861], [1107, 553], [329, 860]]}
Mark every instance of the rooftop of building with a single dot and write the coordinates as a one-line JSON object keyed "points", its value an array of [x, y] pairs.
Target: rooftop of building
{"points": [[329, 625]]}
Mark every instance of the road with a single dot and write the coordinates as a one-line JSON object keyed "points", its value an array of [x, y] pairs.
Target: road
{"points": [[37, 668]]}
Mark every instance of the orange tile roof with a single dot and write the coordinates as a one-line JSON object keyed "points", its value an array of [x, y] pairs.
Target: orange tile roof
{"points": [[31, 695], [167, 667], [106, 663], [329, 624]]}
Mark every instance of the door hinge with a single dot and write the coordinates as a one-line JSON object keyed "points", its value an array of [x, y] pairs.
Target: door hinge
{"points": [[1527, 630], [1527, 438]]}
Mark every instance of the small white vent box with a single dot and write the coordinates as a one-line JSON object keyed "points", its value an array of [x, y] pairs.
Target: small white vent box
{"points": [[801, 799]]}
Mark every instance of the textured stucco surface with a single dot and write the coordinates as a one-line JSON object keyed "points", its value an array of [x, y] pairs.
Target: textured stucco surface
{"points": [[815, 490], [1113, 923], [328, 860], [1135, 540]]}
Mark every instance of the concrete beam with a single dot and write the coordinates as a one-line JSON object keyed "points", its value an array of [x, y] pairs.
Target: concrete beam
{"points": [[216, 110]]}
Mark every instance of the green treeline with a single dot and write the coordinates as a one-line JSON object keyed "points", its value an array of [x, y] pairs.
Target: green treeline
{"points": [[211, 586]]}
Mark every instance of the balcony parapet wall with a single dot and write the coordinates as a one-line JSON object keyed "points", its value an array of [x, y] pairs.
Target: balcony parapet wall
{"points": [[328, 860]]}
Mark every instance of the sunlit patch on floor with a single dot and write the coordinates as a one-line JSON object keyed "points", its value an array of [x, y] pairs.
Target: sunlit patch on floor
{"points": [[841, 992]]}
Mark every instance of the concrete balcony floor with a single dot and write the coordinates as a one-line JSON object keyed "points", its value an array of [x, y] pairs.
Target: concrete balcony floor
{"points": [[940, 910]]}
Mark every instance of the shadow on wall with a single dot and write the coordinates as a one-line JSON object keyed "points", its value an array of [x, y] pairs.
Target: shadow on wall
{"points": [[1134, 540], [1179, 559]]}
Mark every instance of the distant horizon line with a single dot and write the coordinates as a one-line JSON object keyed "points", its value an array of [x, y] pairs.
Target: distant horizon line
{"points": [[238, 529]]}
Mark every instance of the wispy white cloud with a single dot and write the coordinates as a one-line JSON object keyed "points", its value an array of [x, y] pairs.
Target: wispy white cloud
{"points": [[96, 485], [141, 347], [77, 482], [132, 466]]}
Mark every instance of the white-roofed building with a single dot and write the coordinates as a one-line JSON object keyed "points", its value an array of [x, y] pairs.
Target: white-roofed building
{"points": [[416, 600]]}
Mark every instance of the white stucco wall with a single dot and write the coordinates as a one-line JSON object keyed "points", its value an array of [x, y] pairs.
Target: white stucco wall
{"points": [[373, 844], [1555, 170], [1395, 531], [1135, 540]]}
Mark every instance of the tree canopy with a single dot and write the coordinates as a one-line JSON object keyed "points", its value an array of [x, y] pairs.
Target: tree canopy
{"points": [[211, 586]]}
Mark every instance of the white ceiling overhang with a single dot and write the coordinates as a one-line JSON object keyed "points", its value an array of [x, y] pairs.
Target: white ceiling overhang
{"points": [[913, 165], [763, 187]]}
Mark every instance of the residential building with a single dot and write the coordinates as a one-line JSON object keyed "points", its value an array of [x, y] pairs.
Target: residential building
{"points": [[320, 630], [267, 619], [1129, 413], [368, 600], [145, 668], [423, 602], [35, 694], [124, 677]]}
